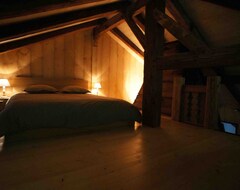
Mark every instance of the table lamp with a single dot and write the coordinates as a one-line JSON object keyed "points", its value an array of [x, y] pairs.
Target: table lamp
{"points": [[97, 85], [4, 83]]}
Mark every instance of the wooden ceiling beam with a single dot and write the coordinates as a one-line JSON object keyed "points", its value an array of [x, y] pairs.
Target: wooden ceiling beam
{"points": [[22, 42], [187, 38], [129, 15], [228, 56], [108, 25], [140, 21], [181, 16], [35, 27], [118, 19], [127, 42], [137, 8], [136, 30]]}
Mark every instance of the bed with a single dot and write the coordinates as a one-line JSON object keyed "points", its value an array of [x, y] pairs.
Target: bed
{"points": [[26, 112]]}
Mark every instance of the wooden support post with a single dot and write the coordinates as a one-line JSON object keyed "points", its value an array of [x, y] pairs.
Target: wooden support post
{"points": [[211, 104], [152, 85], [178, 83]]}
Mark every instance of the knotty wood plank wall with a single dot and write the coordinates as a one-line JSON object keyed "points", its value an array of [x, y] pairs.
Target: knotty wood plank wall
{"points": [[74, 56]]}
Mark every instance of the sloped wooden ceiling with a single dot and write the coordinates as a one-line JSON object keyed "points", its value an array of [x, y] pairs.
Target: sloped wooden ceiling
{"points": [[218, 24], [24, 22]]}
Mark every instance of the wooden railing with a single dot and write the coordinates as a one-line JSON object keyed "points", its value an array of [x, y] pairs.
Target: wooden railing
{"points": [[193, 104], [196, 104]]}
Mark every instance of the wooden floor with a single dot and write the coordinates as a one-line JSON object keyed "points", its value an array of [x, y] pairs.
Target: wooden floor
{"points": [[176, 156]]}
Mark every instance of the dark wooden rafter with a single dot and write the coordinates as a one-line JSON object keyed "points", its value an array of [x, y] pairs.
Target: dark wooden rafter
{"points": [[136, 30], [152, 85], [40, 37], [137, 7], [140, 21], [117, 19], [180, 17], [176, 9], [187, 38], [14, 32], [128, 16], [108, 25], [127, 42], [228, 56], [15, 8]]}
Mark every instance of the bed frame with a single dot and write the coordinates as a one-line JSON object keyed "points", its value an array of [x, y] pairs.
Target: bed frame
{"points": [[52, 133], [19, 83]]}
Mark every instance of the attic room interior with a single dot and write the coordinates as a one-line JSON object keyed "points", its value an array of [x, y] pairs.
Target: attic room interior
{"points": [[120, 94]]}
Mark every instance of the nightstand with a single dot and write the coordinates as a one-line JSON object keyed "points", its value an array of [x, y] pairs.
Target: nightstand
{"points": [[3, 101]]}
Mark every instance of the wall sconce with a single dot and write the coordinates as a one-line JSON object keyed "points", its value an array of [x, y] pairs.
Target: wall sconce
{"points": [[97, 86], [4, 83]]}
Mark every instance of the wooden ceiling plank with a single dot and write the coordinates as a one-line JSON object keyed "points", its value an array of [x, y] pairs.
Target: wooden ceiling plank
{"points": [[187, 38], [15, 31], [233, 4], [38, 38]]}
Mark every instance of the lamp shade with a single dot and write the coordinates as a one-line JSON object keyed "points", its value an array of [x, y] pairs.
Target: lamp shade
{"points": [[97, 85], [4, 82]]}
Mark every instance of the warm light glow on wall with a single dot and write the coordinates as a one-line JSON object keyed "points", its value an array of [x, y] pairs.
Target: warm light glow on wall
{"points": [[132, 87], [96, 88]]}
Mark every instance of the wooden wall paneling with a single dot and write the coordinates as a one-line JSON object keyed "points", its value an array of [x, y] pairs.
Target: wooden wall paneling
{"points": [[69, 58], [120, 65], [48, 58], [178, 83], [79, 54], [73, 55], [87, 60], [139, 76], [113, 69], [97, 61], [59, 57], [24, 57], [94, 77], [211, 115], [125, 75], [8, 63], [132, 78], [167, 89], [36, 60], [105, 64]]}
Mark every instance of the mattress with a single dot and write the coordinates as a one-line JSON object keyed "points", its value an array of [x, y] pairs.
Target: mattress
{"points": [[31, 111]]}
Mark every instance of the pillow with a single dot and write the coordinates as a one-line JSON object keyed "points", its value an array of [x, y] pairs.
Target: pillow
{"points": [[40, 89], [73, 89]]}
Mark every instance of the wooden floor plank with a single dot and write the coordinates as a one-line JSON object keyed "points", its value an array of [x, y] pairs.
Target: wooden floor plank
{"points": [[176, 156]]}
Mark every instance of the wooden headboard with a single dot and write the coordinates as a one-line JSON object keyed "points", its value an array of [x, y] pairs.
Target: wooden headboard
{"points": [[18, 84]]}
